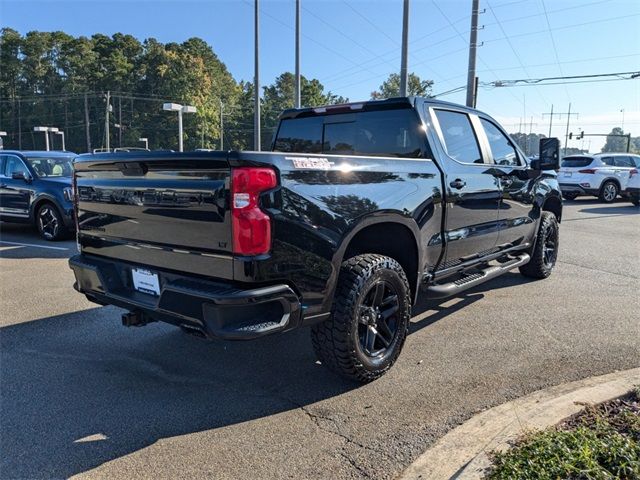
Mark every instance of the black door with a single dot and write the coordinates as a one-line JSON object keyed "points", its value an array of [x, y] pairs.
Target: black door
{"points": [[14, 193], [473, 190], [516, 223]]}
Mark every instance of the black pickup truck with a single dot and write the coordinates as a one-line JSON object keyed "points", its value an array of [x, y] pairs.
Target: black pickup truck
{"points": [[354, 212]]}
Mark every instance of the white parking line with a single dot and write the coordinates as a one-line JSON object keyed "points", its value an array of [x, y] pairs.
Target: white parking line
{"points": [[33, 245]]}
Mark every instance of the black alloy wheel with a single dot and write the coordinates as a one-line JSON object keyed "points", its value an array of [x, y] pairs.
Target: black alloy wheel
{"points": [[49, 222], [378, 325]]}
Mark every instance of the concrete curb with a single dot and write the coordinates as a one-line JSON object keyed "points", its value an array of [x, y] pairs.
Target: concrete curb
{"points": [[462, 453]]}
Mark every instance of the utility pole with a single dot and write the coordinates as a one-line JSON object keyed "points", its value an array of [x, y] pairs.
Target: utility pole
{"points": [[256, 79], [19, 125], [473, 43], [550, 119], [106, 120], [558, 114], [221, 126], [297, 99], [86, 123], [120, 121], [566, 136], [527, 142], [404, 73]]}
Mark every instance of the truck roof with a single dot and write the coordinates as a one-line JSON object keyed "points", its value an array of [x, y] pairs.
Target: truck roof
{"points": [[388, 103]]}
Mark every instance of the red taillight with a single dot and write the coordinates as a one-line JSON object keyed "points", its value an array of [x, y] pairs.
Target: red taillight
{"points": [[633, 172], [251, 227], [588, 170]]}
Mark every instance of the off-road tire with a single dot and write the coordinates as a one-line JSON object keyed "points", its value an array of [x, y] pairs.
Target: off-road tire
{"points": [[45, 215], [336, 341], [569, 196], [607, 187], [539, 266]]}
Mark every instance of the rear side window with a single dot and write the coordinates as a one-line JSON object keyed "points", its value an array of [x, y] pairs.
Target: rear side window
{"points": [[14, 165], [459, 137], [608, 161], [390, 133], [576, 162], [2, 157]]}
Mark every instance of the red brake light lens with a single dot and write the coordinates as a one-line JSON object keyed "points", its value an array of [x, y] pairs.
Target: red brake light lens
{"points": [[588, 170], [633, 172], [251, 227]]}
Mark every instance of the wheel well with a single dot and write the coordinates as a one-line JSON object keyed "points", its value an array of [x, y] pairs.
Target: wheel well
{"points": [[553, 205], [614, 180], [38, 204], [392, 240]]}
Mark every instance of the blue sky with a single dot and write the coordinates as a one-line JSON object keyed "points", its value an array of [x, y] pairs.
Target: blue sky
{"points": [[352, 46]]}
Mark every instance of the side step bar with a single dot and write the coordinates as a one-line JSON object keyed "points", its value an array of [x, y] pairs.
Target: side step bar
{"points": [[443, 290]]}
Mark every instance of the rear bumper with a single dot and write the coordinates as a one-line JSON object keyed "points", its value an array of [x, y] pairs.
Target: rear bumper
{"points": [[213, 309], [577, 189]]}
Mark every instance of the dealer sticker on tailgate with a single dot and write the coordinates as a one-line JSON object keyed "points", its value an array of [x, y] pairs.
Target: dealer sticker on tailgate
{"points": [[145, 281]]}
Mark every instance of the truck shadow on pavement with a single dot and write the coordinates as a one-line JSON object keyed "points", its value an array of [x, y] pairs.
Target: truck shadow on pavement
{"points": [[79, 390]]}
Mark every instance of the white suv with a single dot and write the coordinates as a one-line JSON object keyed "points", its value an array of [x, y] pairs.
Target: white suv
{"points": [[603, 175]]}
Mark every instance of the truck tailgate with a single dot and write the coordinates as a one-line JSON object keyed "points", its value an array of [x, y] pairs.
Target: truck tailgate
{"points": [[156, 210]]}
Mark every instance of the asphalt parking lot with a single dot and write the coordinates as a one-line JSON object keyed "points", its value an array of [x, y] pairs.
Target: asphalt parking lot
{"points": [[82, 395]]}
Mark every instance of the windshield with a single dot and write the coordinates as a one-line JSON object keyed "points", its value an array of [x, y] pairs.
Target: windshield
{"points": [[52, 166]]}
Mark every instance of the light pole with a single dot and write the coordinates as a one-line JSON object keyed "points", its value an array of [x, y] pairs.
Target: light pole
{"points": [[176, 107], [2, 134], [146, 142], [622, 111], [46, 131], [62, 135]]}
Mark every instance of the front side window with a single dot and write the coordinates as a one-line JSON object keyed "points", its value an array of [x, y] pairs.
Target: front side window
{"points": [[503, 151], [459, 137], [623, 162], [14, 165]]}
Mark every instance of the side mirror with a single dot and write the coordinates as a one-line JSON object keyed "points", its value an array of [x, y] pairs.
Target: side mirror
{"points": [[20, 176], [549, 155]]}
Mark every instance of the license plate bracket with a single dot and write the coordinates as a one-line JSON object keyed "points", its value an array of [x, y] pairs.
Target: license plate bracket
{"points": [[145, 281]]}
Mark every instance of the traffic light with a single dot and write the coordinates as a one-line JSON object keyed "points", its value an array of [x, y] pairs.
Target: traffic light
{"points": [[581, 135], [570, 135]]}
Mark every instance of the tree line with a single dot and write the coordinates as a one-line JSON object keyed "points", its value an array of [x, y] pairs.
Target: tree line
{"points": [[58, 80]]}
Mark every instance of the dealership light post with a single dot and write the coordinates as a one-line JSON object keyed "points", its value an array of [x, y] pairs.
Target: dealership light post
{"points": [[176, 107], [61, 135], [146, 142], [46, 131], [2, 134]]}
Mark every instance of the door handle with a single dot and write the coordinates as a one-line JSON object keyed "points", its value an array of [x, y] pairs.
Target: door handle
{"points": [[457, 184]]}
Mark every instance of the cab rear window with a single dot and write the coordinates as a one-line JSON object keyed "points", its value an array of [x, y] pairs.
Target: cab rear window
{"points": [[388, 133], [576, 162]]}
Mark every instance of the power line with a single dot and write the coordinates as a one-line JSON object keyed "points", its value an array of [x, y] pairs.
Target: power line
{"points": [[559, 10], [515, 52], [555, 49], [567, 27], [508, 83], [465, 41], [393, 40]]}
